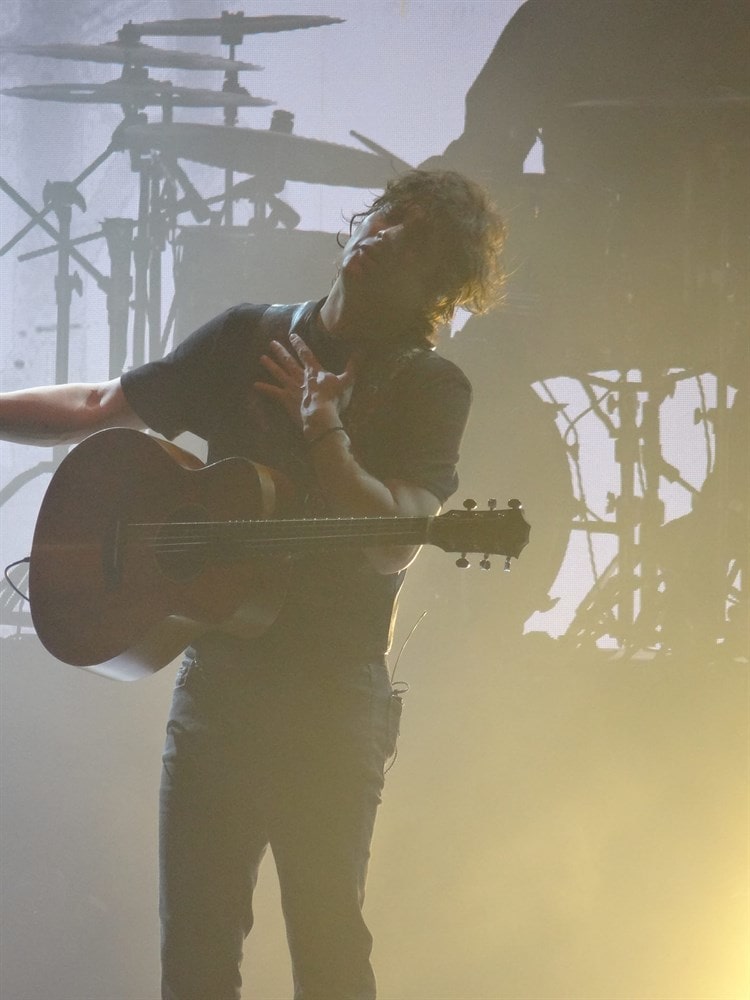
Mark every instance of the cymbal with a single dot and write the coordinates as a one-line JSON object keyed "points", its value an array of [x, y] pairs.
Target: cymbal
{"points": [[265, 153], [135, 54], [235, 25], [140, 95]]}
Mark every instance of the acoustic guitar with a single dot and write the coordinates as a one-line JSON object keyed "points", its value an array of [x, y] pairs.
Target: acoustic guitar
{"points": [[139, 548]]}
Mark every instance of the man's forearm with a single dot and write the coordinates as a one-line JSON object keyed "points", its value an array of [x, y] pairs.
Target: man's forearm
{"points": [[352, 492], [60, 414]]}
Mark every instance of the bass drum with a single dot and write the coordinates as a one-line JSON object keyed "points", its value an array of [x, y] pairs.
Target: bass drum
{"points": [[217, 267], [511, 449]]}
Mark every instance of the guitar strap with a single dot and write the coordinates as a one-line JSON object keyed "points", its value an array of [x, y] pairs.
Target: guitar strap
{"points": [[278, 321]]}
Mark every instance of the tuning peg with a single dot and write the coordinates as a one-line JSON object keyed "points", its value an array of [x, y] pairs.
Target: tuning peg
{"points": [[492, 503], [515, 504], [462, 562], [470, 504], [506, 565], [485, 563]]}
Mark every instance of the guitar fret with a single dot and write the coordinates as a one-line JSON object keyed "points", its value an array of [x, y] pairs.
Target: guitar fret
{"points": [[283, 533]]}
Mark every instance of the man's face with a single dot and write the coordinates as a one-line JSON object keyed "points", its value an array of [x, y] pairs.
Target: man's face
{"points": [[388, 262]]}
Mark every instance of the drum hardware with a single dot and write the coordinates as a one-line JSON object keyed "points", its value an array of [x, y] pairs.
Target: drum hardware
{"points": [[130, 54], [269, 212], [264, 152], [38, 219], [396, 162], [59, 197], [159, 172], [273, 156], [229, 28], [192, 201], [137, 94], [630, 599], [119, 236]]}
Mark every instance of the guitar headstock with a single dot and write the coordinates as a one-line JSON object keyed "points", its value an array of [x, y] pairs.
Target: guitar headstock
{"points": [[491, 532]]}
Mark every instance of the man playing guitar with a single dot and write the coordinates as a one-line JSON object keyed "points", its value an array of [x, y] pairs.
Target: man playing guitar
{"points": [[282, 739]]}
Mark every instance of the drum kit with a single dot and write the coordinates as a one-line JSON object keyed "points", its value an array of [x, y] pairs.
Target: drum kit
{"points": [[157, 150]]}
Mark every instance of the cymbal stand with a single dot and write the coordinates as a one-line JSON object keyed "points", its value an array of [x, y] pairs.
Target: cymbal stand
{"points": [[151, 229], [37, 217], [625, 601], [640, 514], [232, 35], [59, 197], [119, 236], [62, 196], [268, 210]]}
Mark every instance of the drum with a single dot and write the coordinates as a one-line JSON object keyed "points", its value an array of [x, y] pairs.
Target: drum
{"points": [[648, 272]]}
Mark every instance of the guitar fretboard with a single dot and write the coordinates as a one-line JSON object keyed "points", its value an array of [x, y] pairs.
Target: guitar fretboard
{"points": [[281, 535]]}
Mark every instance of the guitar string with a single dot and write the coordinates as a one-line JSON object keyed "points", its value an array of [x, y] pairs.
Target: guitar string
{"points": [[180, 542], [259, 531], [176, 532], [181, 536]]}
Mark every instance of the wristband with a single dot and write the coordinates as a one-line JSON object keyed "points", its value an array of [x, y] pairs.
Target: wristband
{"points": [[325, 433]]}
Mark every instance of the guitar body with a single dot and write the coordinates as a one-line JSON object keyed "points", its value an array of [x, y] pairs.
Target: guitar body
{"points": [[116, 585], [139, 548]]}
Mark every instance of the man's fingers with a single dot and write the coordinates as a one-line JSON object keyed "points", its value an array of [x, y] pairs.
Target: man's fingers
{"points": [[286, 376], [284, 358], [272, 391], [304, 353], [273, 368]]}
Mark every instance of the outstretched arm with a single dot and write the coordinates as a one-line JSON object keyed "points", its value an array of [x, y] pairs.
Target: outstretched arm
{"points": [[61, 414]]}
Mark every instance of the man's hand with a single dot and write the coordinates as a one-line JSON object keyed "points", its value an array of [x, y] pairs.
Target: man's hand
{"points": [[289, 376], [313, 397]]}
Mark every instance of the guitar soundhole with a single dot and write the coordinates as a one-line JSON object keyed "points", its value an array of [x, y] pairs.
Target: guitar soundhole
{"points": [[184, 544]]}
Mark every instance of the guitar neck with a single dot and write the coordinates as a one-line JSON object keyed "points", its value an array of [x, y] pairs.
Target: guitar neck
{"points": [[281, 536]]}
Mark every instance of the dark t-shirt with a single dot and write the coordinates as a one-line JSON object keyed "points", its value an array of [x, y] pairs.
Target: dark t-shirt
{"points": [[405, 421]]}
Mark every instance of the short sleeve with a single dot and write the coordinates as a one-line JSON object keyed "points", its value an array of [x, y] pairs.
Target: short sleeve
{"points": [[425, 424], [184, 390]]}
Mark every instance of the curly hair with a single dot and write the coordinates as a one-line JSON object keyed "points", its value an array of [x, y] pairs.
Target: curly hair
{"points": [[458, 218]]}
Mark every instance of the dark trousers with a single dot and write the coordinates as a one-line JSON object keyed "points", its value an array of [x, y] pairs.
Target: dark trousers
{"points": [[292, 758]]}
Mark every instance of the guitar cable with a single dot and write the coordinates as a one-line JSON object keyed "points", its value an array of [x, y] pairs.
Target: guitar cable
{"points": [[400, 688], [6, 573], [403, 685]]}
